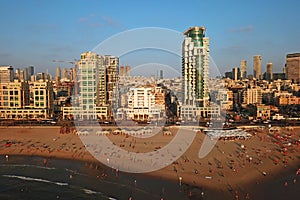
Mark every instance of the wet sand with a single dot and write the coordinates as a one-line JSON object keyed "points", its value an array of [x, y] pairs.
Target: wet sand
{"points": [[240, 169]]}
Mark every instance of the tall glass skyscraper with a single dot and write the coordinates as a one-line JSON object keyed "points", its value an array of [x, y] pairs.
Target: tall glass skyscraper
{"points": [[195, 67]]}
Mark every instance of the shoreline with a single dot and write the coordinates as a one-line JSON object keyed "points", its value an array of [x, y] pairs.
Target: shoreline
{"points": [[245, 177]]}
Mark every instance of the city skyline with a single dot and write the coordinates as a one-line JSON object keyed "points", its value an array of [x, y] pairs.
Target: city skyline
{"points": [[236, 33]]}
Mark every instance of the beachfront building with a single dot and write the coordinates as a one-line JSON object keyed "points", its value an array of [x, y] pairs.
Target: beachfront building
{"points": [[14, 95], [144, 104], [70, 112], [97, 80], [6, 74], [195, 75], [112, 76], [43, 96], [15, 100]]}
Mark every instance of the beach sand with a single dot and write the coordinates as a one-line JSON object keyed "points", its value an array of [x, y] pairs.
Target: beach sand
{"points": [[229, 171]]}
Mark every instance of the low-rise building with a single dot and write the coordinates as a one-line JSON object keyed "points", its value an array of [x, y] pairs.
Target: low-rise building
{"points": [[15, 100], [263, 112], [144, 103]]}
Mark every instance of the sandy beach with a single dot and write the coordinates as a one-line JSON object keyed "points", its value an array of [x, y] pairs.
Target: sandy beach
{"points": [[240, 169]]}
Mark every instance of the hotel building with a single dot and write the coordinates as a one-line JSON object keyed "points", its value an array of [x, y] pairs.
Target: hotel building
{"points": [[195, 75], [15, 100], [97, 80]]}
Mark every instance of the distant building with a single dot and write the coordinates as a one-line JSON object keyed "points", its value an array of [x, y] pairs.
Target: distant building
{"points": [[72, 74], [257, 67], [30, 71], [243, 67], [65, 74], [127, 70], [6, 74], [122, 71], [229, 75], [41, 76], [58, 75], [293, 67], [263, 112], [277, 76], [160, 74], [268, 75], [236, 74], [252, 96]]}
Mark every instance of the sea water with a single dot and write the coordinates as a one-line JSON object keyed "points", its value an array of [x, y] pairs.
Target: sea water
{"points": [[29, 177]]}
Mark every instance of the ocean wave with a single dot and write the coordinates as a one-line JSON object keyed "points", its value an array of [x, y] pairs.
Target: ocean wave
{"points": [[35, 179], [75, 172], [88, 191], [110, 198], [24, 165]]}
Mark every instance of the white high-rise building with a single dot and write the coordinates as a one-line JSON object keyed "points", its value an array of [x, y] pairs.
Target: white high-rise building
{"points": [[195, 76], [90, 67], [195, 67]]}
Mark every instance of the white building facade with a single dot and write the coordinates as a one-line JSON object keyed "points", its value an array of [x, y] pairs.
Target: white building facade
{"points": [[195, 75]]}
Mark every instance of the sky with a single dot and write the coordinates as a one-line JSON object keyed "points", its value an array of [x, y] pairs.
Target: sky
{"points": [[40, 32]]}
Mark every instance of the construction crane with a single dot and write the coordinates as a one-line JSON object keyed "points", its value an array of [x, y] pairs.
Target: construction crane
{"points": [[63, 61]]}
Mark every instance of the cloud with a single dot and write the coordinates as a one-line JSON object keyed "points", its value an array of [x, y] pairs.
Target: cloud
{"points": [[242, 29], [95, 21]]}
